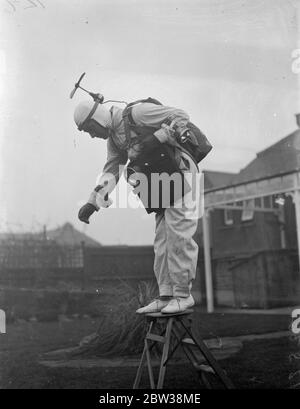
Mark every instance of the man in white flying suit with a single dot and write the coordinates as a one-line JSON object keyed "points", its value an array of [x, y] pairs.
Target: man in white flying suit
{"points": [[175, 250]]}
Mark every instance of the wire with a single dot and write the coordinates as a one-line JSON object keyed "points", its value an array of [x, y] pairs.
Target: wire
{"points": [[112, 100]]}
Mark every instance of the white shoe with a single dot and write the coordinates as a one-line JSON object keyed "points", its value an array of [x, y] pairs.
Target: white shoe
{"points": [[155, 306], [178, 304]]}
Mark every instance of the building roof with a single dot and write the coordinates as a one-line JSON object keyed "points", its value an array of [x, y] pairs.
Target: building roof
{"points": [[65, 235], [215, 179], [279, 158]]}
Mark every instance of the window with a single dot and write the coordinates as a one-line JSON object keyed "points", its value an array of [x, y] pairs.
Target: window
{"points": [[248, 212], [247, 215], [267, 202], [258, 202], [228, 217]]}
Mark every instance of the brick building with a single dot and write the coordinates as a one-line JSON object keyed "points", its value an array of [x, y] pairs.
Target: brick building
{"points": [[252, 229], [240, 231]]}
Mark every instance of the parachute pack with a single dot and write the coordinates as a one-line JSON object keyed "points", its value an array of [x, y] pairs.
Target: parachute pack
{"points": [[195, 143]]}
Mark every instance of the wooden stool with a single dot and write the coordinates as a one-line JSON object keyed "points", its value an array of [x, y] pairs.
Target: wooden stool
{"points": [[177, 327]]}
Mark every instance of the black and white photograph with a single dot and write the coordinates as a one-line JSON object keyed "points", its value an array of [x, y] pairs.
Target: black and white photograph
{"points": [[150, 197]]}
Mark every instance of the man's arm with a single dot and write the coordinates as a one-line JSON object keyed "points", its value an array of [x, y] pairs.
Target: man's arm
{"points": [[154, 115], [115, 158], [108, 179], [106, 182], [157, 116], [112, 170]]}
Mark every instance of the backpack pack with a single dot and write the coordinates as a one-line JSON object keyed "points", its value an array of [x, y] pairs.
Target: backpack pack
{"points": [[194, 144]]}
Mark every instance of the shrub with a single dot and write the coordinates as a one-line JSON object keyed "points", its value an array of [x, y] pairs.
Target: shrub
{"points": [[121, 331]]}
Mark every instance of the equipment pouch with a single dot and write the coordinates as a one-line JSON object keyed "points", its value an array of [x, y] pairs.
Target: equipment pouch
{"points": [[157, 179]]}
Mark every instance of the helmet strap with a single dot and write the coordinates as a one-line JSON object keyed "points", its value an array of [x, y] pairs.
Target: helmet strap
{"points": [[93, 110]]}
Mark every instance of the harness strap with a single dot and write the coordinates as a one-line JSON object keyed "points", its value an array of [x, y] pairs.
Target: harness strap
{"points": [[127, 116]]}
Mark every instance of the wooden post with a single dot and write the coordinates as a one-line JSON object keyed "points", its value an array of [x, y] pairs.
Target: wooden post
{"points": [[207, 262], [281, 219], [83, 278]]}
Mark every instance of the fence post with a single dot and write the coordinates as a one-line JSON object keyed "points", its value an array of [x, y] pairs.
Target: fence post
{"points": [[83, 278], [207, 261]]}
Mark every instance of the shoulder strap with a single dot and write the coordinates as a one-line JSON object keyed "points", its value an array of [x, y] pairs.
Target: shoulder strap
{"points": [[127, 117], [150, 100]]}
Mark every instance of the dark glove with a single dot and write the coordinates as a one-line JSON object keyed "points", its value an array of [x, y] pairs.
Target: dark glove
{"points": [[85, 212]]}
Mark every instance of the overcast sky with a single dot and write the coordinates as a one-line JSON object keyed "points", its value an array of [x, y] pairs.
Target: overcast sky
{"points": [[226, 62]]}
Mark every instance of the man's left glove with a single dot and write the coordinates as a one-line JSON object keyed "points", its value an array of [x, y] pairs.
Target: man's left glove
{"points": [[85, 212]]}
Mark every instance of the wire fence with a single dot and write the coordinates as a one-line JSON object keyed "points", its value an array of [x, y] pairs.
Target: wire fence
{"points": [[35, 263], [39, 254], [32, 263]]}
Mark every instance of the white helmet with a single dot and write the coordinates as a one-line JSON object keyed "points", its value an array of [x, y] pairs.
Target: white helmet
{"points": [[101, 115]]}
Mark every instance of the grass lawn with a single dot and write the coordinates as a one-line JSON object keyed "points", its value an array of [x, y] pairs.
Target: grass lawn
{"points": [[259, 364], [230, 325]]}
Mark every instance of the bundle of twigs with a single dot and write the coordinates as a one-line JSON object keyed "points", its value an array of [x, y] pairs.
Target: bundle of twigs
{"points": [[121, 331]]}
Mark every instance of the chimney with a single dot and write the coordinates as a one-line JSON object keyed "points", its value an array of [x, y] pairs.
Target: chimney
{"points": [[298, 119]]}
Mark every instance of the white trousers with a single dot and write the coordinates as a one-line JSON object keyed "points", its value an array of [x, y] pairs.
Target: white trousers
{"points": [[176, 252]]}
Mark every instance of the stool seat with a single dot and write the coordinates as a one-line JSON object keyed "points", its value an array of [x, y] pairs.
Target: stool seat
{"points": [[163, 315], [173, 331]]}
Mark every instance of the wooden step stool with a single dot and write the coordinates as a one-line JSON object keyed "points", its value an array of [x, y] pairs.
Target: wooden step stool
{"points": [[177, 327]]}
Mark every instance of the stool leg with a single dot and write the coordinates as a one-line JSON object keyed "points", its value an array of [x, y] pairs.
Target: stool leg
{"points": [[210, 359], [164, 357], [140, 369], [142, 360], [149, 365], [191, 356]]}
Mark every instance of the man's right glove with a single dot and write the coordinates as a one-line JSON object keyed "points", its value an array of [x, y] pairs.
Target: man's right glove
{"points": [[93, 205], [85, 212]]}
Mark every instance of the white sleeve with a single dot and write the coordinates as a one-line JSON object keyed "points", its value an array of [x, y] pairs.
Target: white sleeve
{"points": [[112, 170], [152, 115]]}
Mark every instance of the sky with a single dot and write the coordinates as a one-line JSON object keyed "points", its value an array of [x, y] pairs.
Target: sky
{"points": [[225, 62]]}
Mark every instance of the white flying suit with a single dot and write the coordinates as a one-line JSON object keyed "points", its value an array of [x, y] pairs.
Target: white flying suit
{"points": [[175, 250]]}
